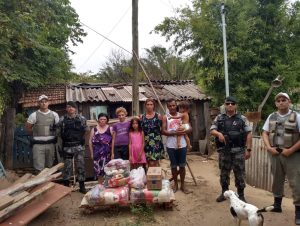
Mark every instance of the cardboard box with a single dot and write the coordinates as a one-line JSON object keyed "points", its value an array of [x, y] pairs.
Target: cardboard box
{"points": [[154, 178]]}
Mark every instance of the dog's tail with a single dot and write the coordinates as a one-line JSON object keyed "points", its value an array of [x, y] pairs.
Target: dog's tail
{"points": [[265, 209]]}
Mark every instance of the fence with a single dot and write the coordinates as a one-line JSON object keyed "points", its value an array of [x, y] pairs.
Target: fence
{"points": [[258, 167]]}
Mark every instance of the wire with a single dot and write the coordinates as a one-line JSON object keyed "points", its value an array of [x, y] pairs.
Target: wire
{"points": [[95, 50], [106, 38]]}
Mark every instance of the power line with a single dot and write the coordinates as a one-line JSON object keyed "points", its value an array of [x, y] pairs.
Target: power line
{"points": [[95, 50], [103, 36]]}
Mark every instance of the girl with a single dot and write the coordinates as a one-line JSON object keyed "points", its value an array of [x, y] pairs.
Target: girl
{"points": [[136, 144]]}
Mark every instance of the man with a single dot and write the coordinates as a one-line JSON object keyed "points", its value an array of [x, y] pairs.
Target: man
{"points": [[281, 137], [73, 129], [234, 141], [177, 155], [41, 124]]}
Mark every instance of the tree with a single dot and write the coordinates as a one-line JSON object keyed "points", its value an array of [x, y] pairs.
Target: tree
{"points": [[33, 43], [262, 38]]}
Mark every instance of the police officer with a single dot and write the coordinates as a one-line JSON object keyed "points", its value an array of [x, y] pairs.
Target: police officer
{"points": [[73, 128], [281, 136], [41, 124], [233, 140]]}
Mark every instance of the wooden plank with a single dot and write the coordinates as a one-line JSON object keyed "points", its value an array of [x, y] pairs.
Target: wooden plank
{"points": [[7, 212], [20, 196], [24, 178], [5, 201], [33, 182], [35, 208]]}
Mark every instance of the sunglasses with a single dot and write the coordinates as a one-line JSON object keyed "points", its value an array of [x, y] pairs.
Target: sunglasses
{"points": [[229, 103]]}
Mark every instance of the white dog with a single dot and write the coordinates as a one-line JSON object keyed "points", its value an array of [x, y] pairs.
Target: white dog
{"points": [[245, 211]]}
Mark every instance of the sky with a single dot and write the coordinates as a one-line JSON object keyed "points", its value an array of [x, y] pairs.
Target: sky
{"points": [[112, 18]]}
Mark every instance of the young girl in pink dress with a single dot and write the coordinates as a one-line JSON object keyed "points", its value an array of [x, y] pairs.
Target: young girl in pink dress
{"points": [[136, 144]]}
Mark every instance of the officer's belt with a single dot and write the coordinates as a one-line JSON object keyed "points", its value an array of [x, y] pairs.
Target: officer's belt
{"points": [[51, 141]]}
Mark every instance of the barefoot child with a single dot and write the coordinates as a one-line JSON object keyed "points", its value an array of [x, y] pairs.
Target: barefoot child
{"points": [[184, 125], [136, 144]]}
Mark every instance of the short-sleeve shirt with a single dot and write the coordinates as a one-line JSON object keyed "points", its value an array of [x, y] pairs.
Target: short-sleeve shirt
{"points": [[267, 122], [121, 129]]}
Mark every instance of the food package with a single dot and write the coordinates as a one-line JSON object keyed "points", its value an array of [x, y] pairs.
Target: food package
{"points": [[99, 196], [118, 181], [154, 178], [166, 194], [137, 178], [117, 166]]}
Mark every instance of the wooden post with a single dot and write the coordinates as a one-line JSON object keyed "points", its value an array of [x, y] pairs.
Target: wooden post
{"points": [[9, 136], [135, 56]]}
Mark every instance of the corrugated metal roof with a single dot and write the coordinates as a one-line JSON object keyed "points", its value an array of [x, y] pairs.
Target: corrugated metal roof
{"points": [[56, 94], [119, 92]]}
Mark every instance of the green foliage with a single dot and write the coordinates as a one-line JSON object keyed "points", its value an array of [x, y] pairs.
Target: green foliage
{"points": [[143, 213], [20, 119], [262, 43], [33, 42]]}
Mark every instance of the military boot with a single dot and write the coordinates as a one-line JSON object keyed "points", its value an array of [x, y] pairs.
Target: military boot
{"points": [[277, 205], [82, 187], [297, 215], [241, 194], [221, 197], [67, 183]]}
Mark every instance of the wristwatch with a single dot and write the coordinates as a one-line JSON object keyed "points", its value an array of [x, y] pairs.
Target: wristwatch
{"points": [[249, 149]]}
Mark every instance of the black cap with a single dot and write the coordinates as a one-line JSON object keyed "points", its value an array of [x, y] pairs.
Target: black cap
{"points": [[72, 104], [230, 99]]}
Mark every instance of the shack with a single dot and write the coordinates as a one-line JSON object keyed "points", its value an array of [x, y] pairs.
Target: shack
{"points": [[91, 99]]}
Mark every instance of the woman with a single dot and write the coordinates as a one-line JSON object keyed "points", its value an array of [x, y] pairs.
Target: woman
{"points": [[100, 145], [151, 123]]}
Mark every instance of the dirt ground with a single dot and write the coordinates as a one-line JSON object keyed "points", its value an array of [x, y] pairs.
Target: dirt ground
{"points": [[198, 208]]}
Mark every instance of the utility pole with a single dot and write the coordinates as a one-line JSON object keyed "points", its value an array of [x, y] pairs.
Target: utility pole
{"points": [[225, 49], [135, 56]]}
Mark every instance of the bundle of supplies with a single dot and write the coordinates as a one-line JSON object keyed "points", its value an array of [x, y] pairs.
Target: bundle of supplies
{"points": [[166, 194], [117, 173], [100, 195]]}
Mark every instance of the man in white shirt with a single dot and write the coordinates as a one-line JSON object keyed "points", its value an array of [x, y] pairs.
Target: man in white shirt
{"points": [[281, 136], [41, 124]]}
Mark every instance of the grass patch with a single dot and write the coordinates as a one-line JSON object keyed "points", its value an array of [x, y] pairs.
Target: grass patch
{"points": [[142, 213]]}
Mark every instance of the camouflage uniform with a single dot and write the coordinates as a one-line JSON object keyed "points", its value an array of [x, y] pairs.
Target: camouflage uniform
{"points": [[72, 134], [232, 157], [78, 153]]}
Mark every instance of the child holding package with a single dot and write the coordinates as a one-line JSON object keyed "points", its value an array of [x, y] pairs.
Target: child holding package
{"points": [[184, 125], [136, 144]]}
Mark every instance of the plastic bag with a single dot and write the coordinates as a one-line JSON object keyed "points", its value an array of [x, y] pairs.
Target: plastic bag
{"points": [[117, 166], [153, 196], [137, 178], [118, 181], [111, 196]]}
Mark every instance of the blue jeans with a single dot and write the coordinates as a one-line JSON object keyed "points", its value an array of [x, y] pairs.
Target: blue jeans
{"points": [[177, 157]]}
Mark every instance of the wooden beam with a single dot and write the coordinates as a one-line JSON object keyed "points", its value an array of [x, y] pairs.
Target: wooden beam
{"points": [[20, 196], [24, 178], [12, 208], [5, 201], [33, 182]]}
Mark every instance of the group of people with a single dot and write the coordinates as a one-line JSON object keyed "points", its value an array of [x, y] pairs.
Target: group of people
{"points": [[281, 136], [138, 140]]}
